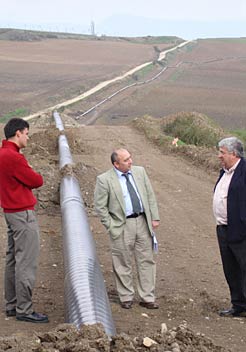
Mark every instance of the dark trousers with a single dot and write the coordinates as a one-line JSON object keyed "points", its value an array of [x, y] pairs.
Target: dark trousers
{"points": [[233, 257]]}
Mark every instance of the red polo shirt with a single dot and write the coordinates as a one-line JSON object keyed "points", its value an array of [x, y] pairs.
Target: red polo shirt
{"points": [[17, 179]]}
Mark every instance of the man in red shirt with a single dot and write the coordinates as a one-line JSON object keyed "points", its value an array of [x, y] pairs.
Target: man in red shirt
{"points": [[17, 179]]}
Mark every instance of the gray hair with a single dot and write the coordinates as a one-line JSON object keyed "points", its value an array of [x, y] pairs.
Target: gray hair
{"points": [[233, 145]]}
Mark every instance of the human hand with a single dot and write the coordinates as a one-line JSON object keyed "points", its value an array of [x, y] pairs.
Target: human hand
{"points": [[155, 223]]}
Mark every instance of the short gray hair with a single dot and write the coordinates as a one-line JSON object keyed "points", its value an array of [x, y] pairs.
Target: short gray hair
{"points": [[233, 145]]}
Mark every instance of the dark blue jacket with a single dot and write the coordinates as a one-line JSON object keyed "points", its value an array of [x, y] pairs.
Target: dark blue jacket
{"points": [[236, 203]]}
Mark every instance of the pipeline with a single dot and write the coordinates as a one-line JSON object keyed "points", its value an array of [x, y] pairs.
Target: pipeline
{"points": [[64, 151], [86, 300], [58, 121]]}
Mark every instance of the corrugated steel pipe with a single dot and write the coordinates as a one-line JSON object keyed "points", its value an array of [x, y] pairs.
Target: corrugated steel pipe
{"points": [[86, 300], [58, 121], [65, 157], [85, 293]]}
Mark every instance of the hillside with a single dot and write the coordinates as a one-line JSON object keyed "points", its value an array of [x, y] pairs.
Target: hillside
{"points": [[28, 35], [207, 76], [37, 74]]}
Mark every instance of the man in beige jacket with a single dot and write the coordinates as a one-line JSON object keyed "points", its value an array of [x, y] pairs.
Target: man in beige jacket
{"points": [[126, 204]]}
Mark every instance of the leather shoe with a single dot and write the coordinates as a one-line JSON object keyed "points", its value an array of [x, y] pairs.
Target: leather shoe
{"points": [[149, 305], [233, 312], [11, 312], [33, 318], [126, 304]]}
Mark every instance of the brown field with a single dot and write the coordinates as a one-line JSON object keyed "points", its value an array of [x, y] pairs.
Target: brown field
{"points": [[211, 80], [36, 75]]}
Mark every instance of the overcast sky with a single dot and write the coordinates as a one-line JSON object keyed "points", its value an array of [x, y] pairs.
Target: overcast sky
{"points": [[79, 14]]}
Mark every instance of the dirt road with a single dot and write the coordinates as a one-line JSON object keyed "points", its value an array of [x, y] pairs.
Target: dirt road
{"points": [[190, 284]]}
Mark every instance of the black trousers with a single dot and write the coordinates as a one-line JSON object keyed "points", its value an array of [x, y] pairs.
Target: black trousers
{"points": [[233, 257]]}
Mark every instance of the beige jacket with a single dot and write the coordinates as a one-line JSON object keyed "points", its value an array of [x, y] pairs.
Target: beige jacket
{"points": [[109, 202]]}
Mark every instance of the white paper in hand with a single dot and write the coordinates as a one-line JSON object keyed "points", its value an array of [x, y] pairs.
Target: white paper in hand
{"points": [[155, 242]]}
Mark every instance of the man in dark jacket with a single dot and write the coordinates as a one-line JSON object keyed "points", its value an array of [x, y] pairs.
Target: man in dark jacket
{"points": [[229, 206], [17, 179]]}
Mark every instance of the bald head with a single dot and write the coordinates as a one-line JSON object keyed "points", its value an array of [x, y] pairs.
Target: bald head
{"points": [[121, 159]]}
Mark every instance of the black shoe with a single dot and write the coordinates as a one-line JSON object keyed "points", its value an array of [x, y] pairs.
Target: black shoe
{"points": [[33, 318], [126, 304], [10, 313], [233, 312], [149, 305]]}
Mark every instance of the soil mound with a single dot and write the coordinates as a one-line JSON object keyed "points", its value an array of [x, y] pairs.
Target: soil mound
{"points": [[92, 338]]}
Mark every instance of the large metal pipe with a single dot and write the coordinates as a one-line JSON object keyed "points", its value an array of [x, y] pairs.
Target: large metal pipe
{"points": [[58, 121], [86, 300], [65, 156], [85, 293]]}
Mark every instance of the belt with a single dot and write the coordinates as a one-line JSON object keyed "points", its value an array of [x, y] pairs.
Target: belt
{"points": [[134, 215], [222, 225]]}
